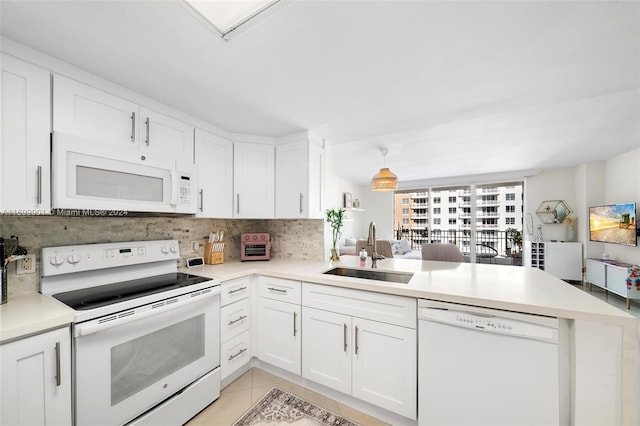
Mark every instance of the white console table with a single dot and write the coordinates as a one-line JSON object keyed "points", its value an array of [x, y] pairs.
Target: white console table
{"points": [[562, 260], [611, 276]]}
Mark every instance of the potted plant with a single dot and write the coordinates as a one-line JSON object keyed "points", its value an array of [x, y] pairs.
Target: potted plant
{"points": [[335, 217], [515, 238]]}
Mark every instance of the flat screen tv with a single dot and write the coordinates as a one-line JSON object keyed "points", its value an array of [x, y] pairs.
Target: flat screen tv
{"points": [[614, 224]]}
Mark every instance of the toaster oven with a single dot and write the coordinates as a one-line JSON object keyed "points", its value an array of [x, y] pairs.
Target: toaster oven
{"points": [[255, 246]]}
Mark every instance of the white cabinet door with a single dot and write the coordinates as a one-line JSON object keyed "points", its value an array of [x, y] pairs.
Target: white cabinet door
{"points": [[214, 158], [36, 380], [279, 335], [315, 197], [253, 180], [327, 348], [299, 180], [385, 366], [85, 111], [165, 137], [564, 260], [24, 153], [616, 280], [595, 273]]}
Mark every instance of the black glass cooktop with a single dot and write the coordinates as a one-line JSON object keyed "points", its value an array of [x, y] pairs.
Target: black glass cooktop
{"points": [[108, 294]]}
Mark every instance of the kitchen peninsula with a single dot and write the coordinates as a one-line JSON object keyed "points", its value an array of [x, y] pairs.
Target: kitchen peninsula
{"points": [[592, 323], [603, 339]]}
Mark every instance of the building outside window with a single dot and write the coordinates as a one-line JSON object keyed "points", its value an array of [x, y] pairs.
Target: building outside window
{"points": [[496, 207]]}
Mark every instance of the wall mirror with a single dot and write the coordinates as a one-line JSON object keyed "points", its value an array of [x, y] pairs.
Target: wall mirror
{"points": [[553, 211]]}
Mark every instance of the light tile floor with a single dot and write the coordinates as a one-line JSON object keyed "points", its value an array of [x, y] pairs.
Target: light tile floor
{"points": [[240, 395]]}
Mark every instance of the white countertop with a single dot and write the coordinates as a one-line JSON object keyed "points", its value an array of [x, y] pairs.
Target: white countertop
{"points": [[513, 288], [30, 314]]}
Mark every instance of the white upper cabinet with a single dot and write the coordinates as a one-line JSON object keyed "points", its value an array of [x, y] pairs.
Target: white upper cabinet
{"points": [[299, 179], [24, 149], [253, 180], [214, 158], [85, 111], [164, 136]]}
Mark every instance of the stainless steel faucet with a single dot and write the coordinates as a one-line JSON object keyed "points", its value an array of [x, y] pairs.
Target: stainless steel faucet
{"points": [[371, 241]]}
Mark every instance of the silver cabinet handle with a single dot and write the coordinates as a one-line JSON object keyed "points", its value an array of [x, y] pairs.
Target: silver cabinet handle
{"points": [[58, 375], [345, 337], [238, 203], [146, 122], [201, 199], [295, 330], [301, 196], [133, 126], [235, 290], [39, 195], [240, 352], [279, 290], [356, 340], [240, 318]]}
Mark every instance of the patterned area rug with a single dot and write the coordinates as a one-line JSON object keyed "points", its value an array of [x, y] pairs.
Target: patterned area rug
{"points": [[278, 407]]}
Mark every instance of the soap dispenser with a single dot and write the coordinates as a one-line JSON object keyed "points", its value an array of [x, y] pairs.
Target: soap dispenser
{"points": [[363, 258]]}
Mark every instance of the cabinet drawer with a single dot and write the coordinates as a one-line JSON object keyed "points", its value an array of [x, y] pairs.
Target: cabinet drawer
{"points": [[234, 319], [385, 308], [235, 353], [234, 290], [280, 289]]}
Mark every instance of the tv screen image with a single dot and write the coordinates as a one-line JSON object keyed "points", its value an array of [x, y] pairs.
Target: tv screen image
{"points": [[614, 223]]}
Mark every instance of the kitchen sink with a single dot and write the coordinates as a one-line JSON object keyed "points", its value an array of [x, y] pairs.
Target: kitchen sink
{"points": [[396, 277]]}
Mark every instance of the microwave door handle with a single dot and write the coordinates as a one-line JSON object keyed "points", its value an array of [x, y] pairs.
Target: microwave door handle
{"points": [[174, 188]]}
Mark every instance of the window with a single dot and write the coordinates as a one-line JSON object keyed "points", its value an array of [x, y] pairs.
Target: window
{"points": [[436, 221], [510, 196], [405, 211], [452, 221], [510, 209], [436, 210], [405, 201], [452, 210], [510, 221], [452, 199], [405, 221], [436, 200]]}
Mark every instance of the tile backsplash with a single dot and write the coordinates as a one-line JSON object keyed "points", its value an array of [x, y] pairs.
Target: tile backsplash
{"points": [[300, 239]]}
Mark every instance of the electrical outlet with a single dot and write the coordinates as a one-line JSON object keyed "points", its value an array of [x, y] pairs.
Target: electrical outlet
{"points": [[195, 246], [27, 265]]}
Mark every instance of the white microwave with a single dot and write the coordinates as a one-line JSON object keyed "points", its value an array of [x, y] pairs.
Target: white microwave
{"points": [[90, 175]]}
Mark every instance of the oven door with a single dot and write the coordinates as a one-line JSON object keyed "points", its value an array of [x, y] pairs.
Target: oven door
{"points": [[126, 366]]}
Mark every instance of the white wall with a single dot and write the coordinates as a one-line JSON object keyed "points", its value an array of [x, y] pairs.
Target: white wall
{"points": [[622, 185], [615, 180]]}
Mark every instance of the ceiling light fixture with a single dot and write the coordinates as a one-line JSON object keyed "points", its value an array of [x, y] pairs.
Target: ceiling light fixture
{"points": [[384, 180], [226, 16]]}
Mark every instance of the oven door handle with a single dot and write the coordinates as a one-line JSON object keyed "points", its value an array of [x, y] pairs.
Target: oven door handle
{"points": [[95, 327]]}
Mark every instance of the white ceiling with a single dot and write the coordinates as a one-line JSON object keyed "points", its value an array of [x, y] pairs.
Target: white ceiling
{"points": [[452, 88]]}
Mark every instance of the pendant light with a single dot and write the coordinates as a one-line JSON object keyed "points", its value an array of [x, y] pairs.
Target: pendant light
{"points": [[384, 180]]}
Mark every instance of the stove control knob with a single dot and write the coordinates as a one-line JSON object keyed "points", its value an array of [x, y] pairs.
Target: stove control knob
{"points": [[164, 249], [73, 258], [174, 248], [56, 260]]}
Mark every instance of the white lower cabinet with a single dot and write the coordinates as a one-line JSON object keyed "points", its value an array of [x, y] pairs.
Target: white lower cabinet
{"points": [[384, 366], [235, 324], [279, 334], [369, 359], [36, 380], [327, 348]]}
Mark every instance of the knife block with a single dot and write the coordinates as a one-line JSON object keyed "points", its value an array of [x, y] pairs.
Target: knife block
{"points": [[212, 257]]}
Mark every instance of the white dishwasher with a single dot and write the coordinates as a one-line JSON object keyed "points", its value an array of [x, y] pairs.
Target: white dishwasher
{"points": [[479, 366]]}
